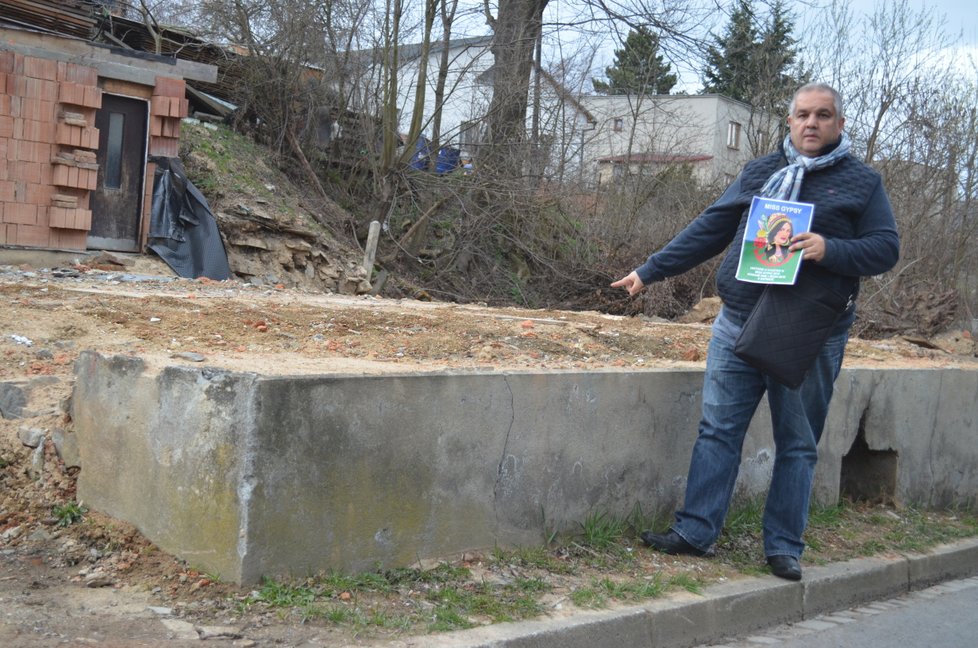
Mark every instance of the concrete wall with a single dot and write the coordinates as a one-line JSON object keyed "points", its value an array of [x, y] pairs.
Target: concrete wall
{"points": [[248, 475]]}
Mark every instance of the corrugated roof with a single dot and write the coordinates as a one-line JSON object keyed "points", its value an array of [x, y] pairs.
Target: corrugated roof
{"points": [[70, 17]]}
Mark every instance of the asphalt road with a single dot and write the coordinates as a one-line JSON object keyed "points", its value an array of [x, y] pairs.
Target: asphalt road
{"points": [[943, 616]]}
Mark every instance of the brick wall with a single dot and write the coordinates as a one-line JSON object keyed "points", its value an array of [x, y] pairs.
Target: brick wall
{"points": [[168, 106], [48, 142], [48, 145]]}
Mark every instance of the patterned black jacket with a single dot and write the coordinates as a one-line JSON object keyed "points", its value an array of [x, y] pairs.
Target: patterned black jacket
{"points": [[852, 212]]}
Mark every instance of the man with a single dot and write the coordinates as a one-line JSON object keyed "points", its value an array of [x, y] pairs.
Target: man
{"points": [[853, 235]]}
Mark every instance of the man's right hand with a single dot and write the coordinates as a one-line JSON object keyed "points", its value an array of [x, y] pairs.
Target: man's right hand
{"points": [[629, 282]]}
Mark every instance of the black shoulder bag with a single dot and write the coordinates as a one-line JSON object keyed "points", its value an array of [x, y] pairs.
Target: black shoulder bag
{"points": [[788, 327]]}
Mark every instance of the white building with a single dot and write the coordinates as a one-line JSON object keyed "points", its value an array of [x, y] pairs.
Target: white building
{"points": [[637, 135], [593, 139]]}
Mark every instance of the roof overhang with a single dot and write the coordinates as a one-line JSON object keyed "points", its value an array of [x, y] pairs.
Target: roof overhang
{"points": [[110, 62]]}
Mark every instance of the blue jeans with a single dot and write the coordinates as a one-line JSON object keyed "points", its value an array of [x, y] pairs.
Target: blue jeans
{"points": [[732, 390]]}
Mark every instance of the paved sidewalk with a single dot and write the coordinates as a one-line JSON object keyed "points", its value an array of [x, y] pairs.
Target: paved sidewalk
{"points": [[728, 609], [939, 616]]}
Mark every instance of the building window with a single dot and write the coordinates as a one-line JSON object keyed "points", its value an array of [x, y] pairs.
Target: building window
{"points": [[733, 135], [113, 161], [618, 125]]}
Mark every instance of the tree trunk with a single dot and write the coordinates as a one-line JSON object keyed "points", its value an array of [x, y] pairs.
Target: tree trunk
{"points": [[516, 29]]}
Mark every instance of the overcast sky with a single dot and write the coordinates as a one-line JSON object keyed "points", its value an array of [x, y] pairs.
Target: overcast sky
{"points": [[962, 15], [960, 25]]}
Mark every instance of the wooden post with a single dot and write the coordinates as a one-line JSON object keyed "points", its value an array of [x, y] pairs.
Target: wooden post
{"points": [[370, 250]]}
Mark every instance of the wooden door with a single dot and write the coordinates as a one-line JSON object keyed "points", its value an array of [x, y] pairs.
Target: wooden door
{"points": [[117, 203]]}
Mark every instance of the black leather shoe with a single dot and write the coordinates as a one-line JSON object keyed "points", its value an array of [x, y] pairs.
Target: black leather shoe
{"points": [[785, 567], [671, 543]]}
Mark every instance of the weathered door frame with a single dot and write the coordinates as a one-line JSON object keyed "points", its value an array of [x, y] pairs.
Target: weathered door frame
{"points": [[118, 244]]}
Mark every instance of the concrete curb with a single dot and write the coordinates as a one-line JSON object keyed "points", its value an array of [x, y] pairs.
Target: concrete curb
{"points": [[727, 609]]}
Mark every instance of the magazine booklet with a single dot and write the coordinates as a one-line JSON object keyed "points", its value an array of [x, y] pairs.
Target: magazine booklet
{"points": [[764, 255]]}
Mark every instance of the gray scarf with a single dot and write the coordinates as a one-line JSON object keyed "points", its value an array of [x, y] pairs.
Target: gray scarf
{"points": [[785, 183]]}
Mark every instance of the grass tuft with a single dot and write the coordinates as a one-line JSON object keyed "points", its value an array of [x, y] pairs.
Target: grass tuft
{"points": [[69, 513], [601, 565]]}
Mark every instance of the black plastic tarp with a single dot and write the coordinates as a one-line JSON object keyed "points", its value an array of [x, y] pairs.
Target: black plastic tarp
{"points": [[182, 229]]}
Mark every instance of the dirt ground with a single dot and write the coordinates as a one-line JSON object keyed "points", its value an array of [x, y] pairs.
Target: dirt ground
{"points": [[100, 582]]}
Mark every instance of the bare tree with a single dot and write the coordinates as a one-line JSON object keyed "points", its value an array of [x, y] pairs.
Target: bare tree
{"points": [[911, 114], [447, 11], [516, 27]]}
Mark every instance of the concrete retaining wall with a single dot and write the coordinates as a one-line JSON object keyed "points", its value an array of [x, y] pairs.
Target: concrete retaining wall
{"points": [[249, 476]]}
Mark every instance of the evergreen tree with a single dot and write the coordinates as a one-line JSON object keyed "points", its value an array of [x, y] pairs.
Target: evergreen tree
{"points": [[777, 64], [729, 59], [639, 68], [754, 63]]}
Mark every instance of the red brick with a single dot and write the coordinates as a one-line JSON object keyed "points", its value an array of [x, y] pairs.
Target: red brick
{"points": [[48, 110], [59, 175], [74, 73], [30, 130], [7, 191], [160, 106], [61, 217], [41, 89], [6, 61], [27, 171], [5, 105], [49, 131], [68, 135], [37, 109], [20, 213], [91, 179], [90, 138], [83, 178], [93, 97], [155, 126], [12, 63], [30, 151], [83, 219], [169, 87], [71, 93], [38, 194], [63, 239], [165, 146], [32, 236], [3, 229], [16, 85], [39, 68], [6, 126]]}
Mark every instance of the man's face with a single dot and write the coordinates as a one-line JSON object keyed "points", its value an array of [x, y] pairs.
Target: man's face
{"points": [[814, 123]]}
